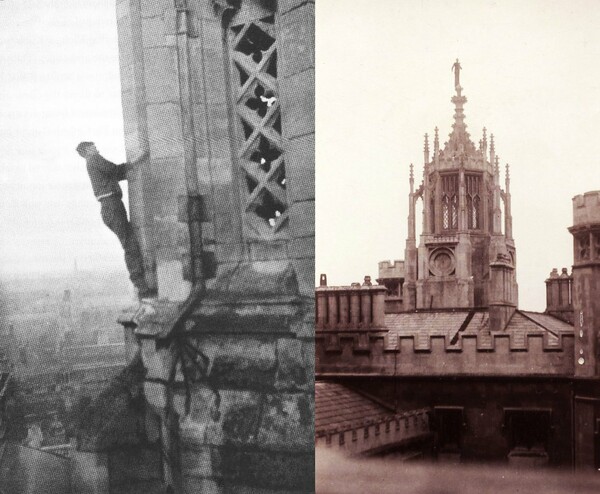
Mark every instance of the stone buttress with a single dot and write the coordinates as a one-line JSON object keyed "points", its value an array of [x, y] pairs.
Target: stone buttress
{"points": [[221, 94]]}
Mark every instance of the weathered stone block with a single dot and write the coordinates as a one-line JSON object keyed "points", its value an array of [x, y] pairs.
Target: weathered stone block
{"points": [[160, 67], [227, 223], [156, 395], [288, 423], [297, 40], [170, 276], [193, 485], [266, 251], [153, 33], [138, 464], [164, 129], [131, 112], [305, 273], [155, 7], [244, 363], [284, 6], [291, 370], [163, 184], [122, 9], [201, 461], [298, 104], [262, 279], [302, 248], [300, 168], [227, 253], [218, 417], [166, 231], [268, 470], [302, 219], [158, 362]]}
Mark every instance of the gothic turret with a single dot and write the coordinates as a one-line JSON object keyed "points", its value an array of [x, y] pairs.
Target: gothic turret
{"points": [[465, 256]]}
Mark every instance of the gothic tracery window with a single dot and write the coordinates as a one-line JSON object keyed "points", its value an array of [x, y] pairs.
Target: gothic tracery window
{"points": [[252, 50], [450, 202], [473, 186]]}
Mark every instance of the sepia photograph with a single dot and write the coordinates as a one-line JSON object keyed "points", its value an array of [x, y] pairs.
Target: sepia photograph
{"points": [[458, 225]]}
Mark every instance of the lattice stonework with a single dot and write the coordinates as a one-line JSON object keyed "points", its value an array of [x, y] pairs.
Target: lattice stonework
{"points": [[254, 58]]}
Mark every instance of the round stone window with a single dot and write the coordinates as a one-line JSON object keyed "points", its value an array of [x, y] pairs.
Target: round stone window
{"points": [[441, 262]]}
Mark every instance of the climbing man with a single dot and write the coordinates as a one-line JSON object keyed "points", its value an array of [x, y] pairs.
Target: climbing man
{"points": [[105, 177]]}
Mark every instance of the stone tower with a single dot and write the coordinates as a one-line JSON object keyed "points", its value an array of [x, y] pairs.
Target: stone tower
{"points": [[466, 255], [221, 95], [586, 289]]}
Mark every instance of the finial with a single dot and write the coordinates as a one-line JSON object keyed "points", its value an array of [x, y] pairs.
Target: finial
{"points": [[426, 142], [492, 146], [507, 171], [412, 175], [456, 69], [497, 165]]}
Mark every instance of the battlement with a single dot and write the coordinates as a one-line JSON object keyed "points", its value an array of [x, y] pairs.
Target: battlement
{"points": [[376, 433], [453, 353], [391, 269], [586, 209]]}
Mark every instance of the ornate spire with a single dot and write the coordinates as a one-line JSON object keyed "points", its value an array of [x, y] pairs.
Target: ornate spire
{"points": [[459, 142], [412, 179], [426, 149]]}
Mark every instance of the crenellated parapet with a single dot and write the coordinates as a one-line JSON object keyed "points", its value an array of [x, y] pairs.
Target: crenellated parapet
{"points": [[375, 434], [459, 344]]}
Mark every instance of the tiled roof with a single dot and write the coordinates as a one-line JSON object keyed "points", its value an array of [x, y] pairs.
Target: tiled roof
{"points": [[338, 407], [452, 324], [549, 322]]}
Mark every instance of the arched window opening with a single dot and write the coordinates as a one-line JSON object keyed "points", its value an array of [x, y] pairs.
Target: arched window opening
{"points": [[473, 185], [450, 202]]}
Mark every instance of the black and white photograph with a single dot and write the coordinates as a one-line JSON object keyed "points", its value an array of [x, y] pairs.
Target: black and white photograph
{"points": [[157, 246]]}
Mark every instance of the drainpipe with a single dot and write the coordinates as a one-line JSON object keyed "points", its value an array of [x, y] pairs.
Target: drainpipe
{"points": [[185, 30]]}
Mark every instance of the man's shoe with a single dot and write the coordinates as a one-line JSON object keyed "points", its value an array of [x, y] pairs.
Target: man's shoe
{"points": [[148, 296]]}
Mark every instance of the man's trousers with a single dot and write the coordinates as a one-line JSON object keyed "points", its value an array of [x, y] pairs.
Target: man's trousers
{"points": [[114, 216]]}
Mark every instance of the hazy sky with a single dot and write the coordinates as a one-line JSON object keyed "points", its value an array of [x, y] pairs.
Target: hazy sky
{"points": [[59, 84], [531, 73]]}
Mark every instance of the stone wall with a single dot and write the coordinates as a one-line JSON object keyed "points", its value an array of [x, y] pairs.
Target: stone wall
{"points": [[221, 94], [484, 402], [386, 353]]}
